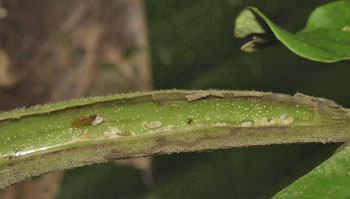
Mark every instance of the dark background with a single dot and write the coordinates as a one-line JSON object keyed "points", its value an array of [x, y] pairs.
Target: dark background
{"points": [[192, 47]]}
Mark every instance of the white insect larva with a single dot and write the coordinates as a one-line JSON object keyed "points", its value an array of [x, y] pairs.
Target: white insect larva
{"points": [[113, 132], [169, 127], [281, 120], [166, 128], [345, 29], [283, 117], [220, 124], [106, 134], [145, 125], [97, 120], [274, 121], [261, 122], [246, 124], [288, 120], [155, 124], [163, 129]]}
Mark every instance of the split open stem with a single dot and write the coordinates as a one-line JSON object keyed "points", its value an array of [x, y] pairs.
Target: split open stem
{"points": [[92, 130]]}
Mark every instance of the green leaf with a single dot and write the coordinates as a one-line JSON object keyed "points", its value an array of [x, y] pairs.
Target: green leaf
{"points": [[331, 179], [326, 37]]}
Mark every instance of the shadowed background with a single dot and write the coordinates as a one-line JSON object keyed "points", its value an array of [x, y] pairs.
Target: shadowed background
{"points": [[57, 50]]}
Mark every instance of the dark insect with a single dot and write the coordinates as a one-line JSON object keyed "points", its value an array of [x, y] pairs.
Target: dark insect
{"points": [[10, 157], [84, 121], [125, 134], [189, 121]]}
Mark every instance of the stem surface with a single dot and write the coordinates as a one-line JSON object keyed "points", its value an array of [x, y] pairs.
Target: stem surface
{"points": [[74, 133]]}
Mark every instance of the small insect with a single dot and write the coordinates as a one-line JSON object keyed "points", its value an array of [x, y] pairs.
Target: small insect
{"points": [[84, 121], [151, 125], [145, 125], [125, 134], [189, 121], [97, 121], [155, 124], [10, 157], [85, 136]]}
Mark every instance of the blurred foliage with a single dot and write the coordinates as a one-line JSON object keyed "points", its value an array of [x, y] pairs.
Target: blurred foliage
{"points": [[192, 47], [102, 181], [256, 172], [192, 41]]}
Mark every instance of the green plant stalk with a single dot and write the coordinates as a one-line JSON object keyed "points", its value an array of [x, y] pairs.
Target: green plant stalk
{"points": [[65, 135]]}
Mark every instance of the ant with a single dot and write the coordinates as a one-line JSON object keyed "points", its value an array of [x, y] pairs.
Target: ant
{"points": [[189, 121], [84, 121], [125, 134]]}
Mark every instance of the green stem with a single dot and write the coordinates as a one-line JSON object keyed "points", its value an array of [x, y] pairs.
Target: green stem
{"points": [[81, 132]]}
